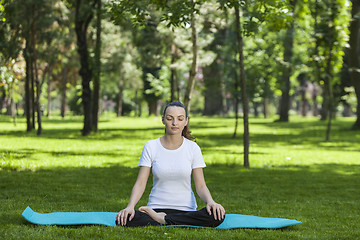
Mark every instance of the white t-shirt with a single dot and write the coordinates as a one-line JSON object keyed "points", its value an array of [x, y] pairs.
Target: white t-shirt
{"points": [[172, 174]]}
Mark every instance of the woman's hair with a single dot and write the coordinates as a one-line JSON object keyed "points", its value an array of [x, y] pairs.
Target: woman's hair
{"points": [[186, 131]]}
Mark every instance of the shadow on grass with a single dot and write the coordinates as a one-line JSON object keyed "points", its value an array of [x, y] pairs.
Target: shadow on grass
{"points": [[56, 119], [103, 134], [26, 153], [307, 133], [294, 192]]}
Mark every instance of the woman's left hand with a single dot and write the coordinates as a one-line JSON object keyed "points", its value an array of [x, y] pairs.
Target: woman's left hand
{"points": [[216, 209]]}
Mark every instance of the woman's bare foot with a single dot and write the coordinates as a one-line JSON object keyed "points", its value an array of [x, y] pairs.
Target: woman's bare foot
{"points": [[159, 217]]}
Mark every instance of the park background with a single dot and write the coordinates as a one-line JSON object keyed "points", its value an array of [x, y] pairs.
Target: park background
{"points": [[272, 88]]}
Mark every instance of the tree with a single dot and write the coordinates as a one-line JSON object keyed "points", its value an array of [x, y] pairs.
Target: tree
{"points": [[286, 73], [245, 103], [10, 75], [174, 13], [10, 71], [174, 83], [30, 21], [152, 50], [121, 76], [16, 24], [330, 19], [97, 68], [215, 72], [63, 60], [354, 52], [258, 12], [194, 37], [83, 16]]}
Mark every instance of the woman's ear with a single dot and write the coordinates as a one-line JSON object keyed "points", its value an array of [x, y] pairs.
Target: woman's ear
{"points": [[187, 121]]}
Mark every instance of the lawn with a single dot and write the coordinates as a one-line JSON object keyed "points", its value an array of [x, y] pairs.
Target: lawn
{"points": [[294, 174]]}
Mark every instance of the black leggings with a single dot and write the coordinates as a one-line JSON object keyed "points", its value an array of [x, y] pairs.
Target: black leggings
{"points": [[175, 217]]}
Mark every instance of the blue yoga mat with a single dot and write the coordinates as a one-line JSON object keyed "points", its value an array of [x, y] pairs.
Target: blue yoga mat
{"points": [[108, 218]]}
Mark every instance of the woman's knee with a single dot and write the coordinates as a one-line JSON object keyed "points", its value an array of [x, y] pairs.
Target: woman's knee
{"points": [[212, 222]]}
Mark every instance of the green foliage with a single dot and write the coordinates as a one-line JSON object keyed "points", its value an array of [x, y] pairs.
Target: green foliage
{"points": [[2, 9], [146, 29], [331, 30], [10, 44], [262, 75], [276, 14], [74, 101], [11, 73], [119, 68], [175, 13], [159, 86]]}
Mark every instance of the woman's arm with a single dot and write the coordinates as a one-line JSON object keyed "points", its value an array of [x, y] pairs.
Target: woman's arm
{"points": [[136, 193], [205, 195]]}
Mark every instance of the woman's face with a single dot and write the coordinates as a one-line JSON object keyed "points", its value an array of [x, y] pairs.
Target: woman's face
{"points": [[174, 120]]}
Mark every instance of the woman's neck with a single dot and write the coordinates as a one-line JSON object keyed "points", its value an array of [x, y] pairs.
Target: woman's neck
{"points": [[171, 141]]}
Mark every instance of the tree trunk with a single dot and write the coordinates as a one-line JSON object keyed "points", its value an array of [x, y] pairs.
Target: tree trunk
{"points": [[63, 94], [285, 96], [32, 95], [153, 108], [191, 81], [27, 86], [32, 88], [255, 107], [49, 92], [213, 75], [97, 68], [347, 112], [31, 72], [325, 103], [138, 110], [266, 107], [245, 102], [314, 99], [38, 106], [173, 84], [287, 70], [236, 101], [328, 86], [177, 87], [317, 64], [36, 77], [8, 105], [12, 103], [304, 105], [266, 96], [137, 104], [2, 99], [120, 98], [354, 52], [213, 89], [48, 112], [304, 101], [82, 20]]}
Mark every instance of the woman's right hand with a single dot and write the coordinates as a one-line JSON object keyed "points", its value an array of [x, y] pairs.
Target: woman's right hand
{"points": [[121, 217]]}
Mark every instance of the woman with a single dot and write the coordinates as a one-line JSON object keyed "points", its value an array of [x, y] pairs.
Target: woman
{"points": [[173, 158]]}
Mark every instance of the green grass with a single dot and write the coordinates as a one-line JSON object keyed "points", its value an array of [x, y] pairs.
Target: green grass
{"points": [[294, 174]]}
